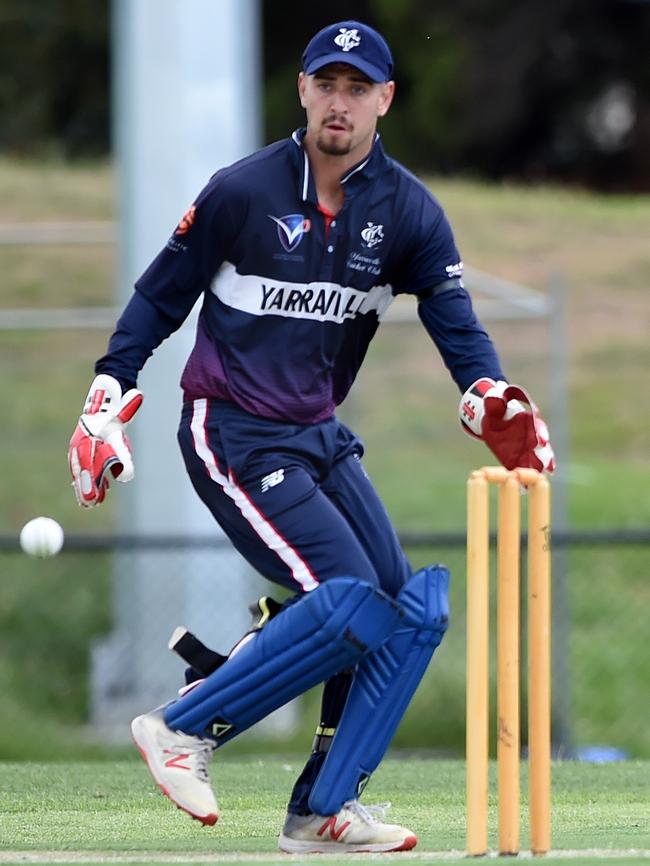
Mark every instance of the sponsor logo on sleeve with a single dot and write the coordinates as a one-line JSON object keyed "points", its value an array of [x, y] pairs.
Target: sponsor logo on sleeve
{"points": [[176, 241], [187, 221], [454, 270]]}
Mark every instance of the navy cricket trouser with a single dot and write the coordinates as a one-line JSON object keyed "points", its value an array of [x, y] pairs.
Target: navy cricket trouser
{"points": [[294, 499]]}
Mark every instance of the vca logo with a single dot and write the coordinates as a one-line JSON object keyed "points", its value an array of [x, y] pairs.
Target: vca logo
{"points": [[372, 235], [291, 229]]}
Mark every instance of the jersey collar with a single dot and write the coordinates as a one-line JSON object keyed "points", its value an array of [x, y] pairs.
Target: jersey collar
{"points": [[354, 179]]}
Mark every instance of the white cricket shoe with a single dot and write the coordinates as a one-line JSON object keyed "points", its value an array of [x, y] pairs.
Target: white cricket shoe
{"points": [[179, 764], [353, 829]]}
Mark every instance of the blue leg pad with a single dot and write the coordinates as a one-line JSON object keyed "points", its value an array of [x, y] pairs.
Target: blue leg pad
{"points": [[381, 691], [326, 631]]}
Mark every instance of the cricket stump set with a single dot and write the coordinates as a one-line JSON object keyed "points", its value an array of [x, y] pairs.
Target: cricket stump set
{"points": [[509, 484]]}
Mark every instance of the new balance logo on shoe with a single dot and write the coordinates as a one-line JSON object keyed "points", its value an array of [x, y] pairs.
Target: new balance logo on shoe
{"points": [[330, 825], [175, 761], [272, 480]]}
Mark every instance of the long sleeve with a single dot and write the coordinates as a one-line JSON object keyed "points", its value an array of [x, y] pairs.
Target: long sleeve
{"points": [[465, 347], [166, 292], [141, 328]]}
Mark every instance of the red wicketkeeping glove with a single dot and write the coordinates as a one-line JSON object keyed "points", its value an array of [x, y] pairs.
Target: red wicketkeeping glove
{"points": [[506, 419], [99, 449]]}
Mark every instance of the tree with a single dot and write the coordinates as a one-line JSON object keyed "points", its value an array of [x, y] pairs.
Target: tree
{"points": [[54, 76]]}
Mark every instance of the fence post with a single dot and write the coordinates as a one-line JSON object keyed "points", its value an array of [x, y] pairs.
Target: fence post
{"points": [[559, 425]]}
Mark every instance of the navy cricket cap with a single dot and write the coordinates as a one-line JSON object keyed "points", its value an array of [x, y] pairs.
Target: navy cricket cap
{"points": [[353, 43]]}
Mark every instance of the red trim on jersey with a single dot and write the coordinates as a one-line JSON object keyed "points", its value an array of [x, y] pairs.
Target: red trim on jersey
{"points": [[329, 216]]}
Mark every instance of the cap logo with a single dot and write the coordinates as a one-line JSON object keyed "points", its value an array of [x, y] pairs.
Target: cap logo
{"points": [[347, 39]]}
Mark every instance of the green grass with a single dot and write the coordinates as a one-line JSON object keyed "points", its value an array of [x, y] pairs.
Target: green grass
{"points": [[114, 807], [55, 191]]}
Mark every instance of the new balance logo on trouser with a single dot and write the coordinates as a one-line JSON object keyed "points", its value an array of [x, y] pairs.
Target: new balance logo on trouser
{"points": [[343, 623]]}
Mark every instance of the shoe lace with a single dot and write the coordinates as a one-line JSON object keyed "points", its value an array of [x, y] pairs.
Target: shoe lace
{"points": [[378, 810], [369, 814], [202, 758]]}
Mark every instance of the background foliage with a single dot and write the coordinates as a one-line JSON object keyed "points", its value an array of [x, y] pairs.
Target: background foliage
{"points": [[493, 88], [54, 77]]}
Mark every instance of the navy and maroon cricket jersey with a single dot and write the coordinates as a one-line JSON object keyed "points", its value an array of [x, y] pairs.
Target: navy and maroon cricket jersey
{"points": [[293, 295]]}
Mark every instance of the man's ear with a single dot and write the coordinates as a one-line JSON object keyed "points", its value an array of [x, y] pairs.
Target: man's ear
{"points": [[386, 98], [302, 83]]}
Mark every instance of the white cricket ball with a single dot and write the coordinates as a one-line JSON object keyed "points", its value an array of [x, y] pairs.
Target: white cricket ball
{"points": [[41, 537]]}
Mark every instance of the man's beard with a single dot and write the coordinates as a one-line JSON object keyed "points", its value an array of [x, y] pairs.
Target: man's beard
{"points": [[330, 144], [333, 148]]}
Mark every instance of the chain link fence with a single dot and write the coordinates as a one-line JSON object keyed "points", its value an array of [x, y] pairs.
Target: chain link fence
{"points": [[58, 616]]}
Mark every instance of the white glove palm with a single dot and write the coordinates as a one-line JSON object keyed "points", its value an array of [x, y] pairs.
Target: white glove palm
{"points": [[99, 442]]}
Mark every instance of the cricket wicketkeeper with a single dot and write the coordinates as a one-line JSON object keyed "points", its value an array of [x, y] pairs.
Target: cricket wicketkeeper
{"points": [[297, 252]]}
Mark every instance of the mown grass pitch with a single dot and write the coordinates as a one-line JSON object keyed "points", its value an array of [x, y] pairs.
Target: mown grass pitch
{"points": [[112, 812]]}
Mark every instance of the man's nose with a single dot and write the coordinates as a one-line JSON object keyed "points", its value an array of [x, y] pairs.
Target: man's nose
{"points": [[338, 103]]}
